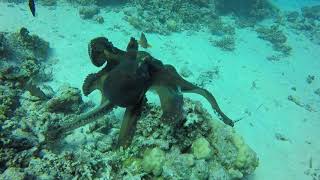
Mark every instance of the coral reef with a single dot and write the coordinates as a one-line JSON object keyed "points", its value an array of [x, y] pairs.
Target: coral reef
{"points": [[276, 37], [307, 22], [48, 2], [250, 9], [224, 34], [164, 17], [88, 12], [66, 100], [317, 91], [33, 43], [21, 45], [96, 2], [218, 27], [226, 43], [21, 57], [158, 149], [312, 12], [3, 45]]}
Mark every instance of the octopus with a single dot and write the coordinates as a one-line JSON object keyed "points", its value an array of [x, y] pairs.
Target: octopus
{"points": [[124, 81]]}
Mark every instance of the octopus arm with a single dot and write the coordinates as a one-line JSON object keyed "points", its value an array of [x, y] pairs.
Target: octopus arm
{"points": [[55, 133], [169, 76], [171, 101], [129, 123]]}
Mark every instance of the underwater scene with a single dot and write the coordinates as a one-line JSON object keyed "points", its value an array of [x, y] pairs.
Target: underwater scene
{"points": [[159, 89]]}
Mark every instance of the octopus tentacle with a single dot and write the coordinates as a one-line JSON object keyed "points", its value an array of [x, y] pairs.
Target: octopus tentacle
{"points": [[168, 76], [55, 133], [171, 101], [129, 122]]}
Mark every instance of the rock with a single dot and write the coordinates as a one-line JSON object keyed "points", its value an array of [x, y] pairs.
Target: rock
{"points": [[67, 100]]}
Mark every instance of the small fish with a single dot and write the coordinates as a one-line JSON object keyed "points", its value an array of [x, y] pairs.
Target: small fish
{"points": [[32, 7], [143, 41]]}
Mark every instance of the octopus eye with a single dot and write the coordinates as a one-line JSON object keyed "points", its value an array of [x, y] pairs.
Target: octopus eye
{"points": [[96, 49]]}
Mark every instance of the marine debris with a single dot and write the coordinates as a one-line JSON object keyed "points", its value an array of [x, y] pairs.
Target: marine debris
{"points": [[124, 81]]}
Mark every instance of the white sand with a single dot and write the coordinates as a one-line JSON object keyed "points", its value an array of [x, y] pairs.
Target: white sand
{"points": [[270, 110]]}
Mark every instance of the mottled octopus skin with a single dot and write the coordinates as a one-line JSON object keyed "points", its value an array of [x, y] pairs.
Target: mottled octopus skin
{"points": [[123, 82]]}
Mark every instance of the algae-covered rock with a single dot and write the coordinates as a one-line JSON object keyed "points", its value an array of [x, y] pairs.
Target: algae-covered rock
{"points": [[3, 46], [201, 148], [15, 173], [67, 100], [99, 19], [9, 101], [153, 161], [34, 43]]}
